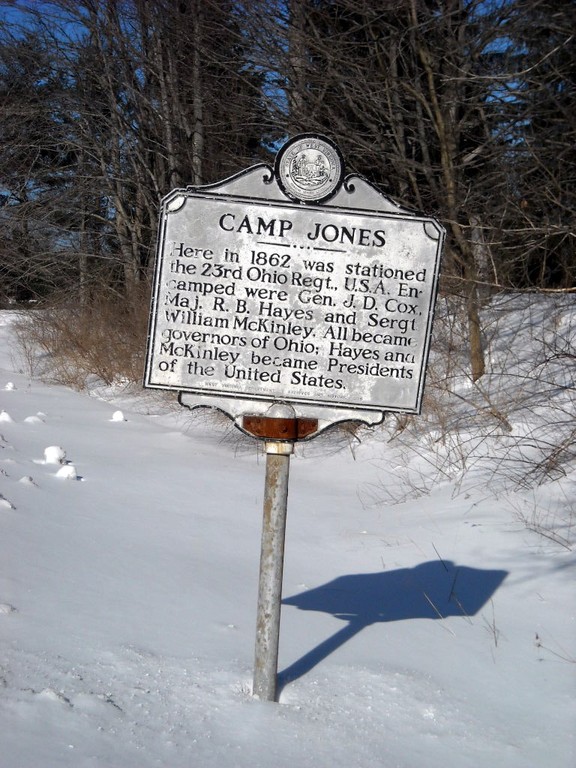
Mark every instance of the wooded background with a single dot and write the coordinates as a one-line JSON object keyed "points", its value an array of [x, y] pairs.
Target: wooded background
{"points": [[462, 109]]}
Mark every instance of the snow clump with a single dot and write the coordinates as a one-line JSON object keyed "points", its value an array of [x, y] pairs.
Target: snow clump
{"points": [[33, 420], [54, 455], [67, 472]]}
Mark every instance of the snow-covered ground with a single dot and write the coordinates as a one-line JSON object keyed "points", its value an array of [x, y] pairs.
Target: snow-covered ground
{"points": [[437, 631]]}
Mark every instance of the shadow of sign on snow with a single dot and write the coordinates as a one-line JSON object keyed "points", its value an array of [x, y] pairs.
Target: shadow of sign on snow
{"points": [[433, 590]]}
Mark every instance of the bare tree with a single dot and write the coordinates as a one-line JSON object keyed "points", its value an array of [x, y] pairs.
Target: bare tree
{"points": [[150, 95], [424, 98]]}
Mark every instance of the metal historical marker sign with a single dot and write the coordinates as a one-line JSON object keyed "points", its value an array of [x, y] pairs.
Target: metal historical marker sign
{"points": [[293, 285], [291, 298]]}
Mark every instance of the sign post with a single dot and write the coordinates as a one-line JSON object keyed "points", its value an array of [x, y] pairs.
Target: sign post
{"points": [[271, 569], [280, 422], [291, 298]]}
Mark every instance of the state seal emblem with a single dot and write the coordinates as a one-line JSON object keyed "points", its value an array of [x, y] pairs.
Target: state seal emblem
{"points": [[309, 168]]}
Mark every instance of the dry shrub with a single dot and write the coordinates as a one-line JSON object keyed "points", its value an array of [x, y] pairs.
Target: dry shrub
{"points": [[511, 430], [71, 343]]}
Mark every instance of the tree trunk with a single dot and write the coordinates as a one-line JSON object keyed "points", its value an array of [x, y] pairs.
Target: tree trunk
{"points": [[198, 103], [477, 361]]}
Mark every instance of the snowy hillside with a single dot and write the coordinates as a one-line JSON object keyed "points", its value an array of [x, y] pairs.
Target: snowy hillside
{"points": [[429, 614]]}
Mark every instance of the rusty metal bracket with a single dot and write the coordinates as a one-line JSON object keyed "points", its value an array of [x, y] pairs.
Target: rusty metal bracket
{"points": [[273, 428]]}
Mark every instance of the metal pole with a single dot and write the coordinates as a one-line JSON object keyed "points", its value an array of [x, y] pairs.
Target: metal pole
{"points": [[271, 568]]}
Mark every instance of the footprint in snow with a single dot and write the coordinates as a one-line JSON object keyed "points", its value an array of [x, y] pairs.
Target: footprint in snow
{"points": [[95, 703], [49, 694], [27, 480], [5, 503]]}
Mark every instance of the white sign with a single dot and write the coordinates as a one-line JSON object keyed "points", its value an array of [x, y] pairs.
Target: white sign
{"points": [[271, 300]]}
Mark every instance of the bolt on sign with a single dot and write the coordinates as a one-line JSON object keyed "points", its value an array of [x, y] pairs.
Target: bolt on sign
{"points": [[294, 284]]}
